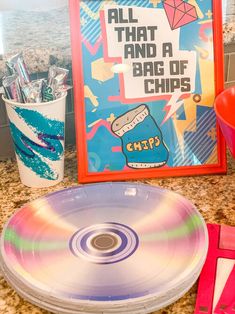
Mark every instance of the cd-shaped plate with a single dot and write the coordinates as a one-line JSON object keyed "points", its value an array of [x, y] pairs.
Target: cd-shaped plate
{"points": [[116, 242]]}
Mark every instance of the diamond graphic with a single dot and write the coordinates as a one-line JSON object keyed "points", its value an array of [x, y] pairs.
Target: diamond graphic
{"points": [[179, 13]]}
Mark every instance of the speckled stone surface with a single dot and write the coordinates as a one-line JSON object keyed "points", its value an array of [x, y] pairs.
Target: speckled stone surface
{"points": [[214, 196], [229, 32], [41, 36], [229, 21]]}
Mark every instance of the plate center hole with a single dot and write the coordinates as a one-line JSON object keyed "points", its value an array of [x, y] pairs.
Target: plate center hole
{"points": [[104, 242]]}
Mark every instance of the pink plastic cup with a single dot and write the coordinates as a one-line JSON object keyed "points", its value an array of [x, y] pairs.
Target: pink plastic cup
{"points": [[225, 111]]}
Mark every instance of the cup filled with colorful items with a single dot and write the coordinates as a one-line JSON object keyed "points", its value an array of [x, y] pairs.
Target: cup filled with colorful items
{"points": [[36, 112]]}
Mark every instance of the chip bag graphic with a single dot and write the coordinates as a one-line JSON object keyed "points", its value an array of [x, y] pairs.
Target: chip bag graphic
{"points": [[142, 140]]}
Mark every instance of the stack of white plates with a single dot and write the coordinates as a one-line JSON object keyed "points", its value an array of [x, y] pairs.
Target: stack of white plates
{"points": [[104, 248]]}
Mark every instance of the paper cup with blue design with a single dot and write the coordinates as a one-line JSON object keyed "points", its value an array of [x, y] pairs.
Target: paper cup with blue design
{"points": [[37, 131]]}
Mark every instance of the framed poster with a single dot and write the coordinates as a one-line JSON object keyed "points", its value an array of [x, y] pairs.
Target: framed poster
{"points": [[146, 73]]}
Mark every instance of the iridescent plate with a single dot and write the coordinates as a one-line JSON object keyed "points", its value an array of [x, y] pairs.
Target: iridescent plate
{"points": [[105, 246]]}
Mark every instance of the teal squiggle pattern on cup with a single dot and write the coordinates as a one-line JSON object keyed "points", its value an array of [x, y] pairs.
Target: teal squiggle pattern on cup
{"points": [[50, 134]]}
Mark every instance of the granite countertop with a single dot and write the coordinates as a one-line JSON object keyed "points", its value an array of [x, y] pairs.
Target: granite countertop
{"points": [[213, 195], [229, 21], [45, 40], [229, 32]]}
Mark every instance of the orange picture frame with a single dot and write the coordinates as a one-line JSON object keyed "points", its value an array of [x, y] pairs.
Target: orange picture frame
{"points": [[181, 145]]}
